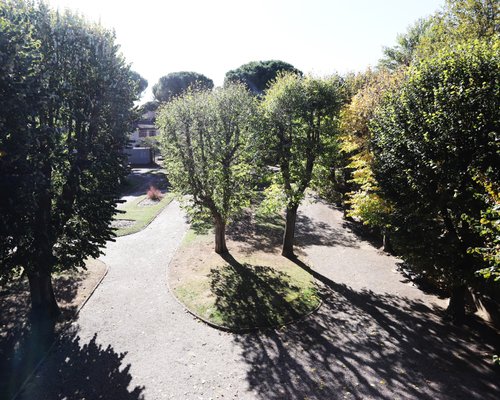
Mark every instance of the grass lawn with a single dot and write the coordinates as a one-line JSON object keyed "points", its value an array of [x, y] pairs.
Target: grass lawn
{"points": [[139, 216], [243, 290]]}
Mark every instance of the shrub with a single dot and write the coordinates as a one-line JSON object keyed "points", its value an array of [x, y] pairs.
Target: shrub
{"points": [[154, 193]]}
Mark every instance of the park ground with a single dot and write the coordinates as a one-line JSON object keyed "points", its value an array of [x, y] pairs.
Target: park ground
{"points": [[376, 336]]}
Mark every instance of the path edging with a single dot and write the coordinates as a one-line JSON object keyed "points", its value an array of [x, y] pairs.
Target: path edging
{"points": [[149, 223]]}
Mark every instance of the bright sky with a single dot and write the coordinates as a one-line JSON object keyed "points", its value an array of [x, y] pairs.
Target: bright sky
{"points": [[214, 36]]}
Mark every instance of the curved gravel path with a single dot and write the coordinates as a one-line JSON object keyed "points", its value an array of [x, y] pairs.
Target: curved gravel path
{"points": [[134, 341]]}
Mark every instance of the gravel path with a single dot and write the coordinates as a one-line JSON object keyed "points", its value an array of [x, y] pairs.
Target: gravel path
{"points": [[134, 341]]}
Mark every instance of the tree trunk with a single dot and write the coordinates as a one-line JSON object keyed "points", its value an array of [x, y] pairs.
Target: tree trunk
{"points": [[43, 302], [386, 240], [220, 235], [289, 235], [456, 306]]}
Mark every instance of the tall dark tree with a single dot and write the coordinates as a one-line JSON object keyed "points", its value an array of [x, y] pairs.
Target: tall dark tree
{"points": [[19, 86], [149, 106], [437, 155], [257, 75], [302, 114], [176, 83], [141, 82], [66, 108]]}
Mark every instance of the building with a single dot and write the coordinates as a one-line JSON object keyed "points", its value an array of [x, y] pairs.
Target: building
{"points": [[145, 128]]}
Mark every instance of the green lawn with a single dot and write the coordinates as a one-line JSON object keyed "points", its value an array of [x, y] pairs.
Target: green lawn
{"points": [[141, 215], [240, 291]]}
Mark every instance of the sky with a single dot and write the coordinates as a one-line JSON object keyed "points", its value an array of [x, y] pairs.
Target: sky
{"points": [[211, 37]]}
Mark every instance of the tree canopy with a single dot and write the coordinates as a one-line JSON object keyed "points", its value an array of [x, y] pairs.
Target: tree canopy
{"points": [[141, 83], [210, 151], [63, 125], [176, 83], [149, 106], [301, 114], [363, 200], [405, 50], [257, 75], [436, 152]]}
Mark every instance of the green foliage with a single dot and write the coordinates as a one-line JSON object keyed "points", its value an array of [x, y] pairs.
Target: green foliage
{"points": [[471, 19], [176, 83], [209, 145], [363, 199], [488, 227], [404, 52], [19, 70], [257, 75], [433, 139], [459, 22], [301, 115], [141, 83], [66, 100], [149, 106]]}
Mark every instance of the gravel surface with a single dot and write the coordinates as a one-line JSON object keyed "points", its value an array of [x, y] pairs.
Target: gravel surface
{"points": [[375, 337]]}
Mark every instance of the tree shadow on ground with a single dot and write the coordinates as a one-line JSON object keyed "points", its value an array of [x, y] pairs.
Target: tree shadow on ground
{"points": [[250, 296], [361, 231], [78, 370], [265, 233], [23, 343], [364, 345], [21, 350], [364, 232], [137, 183]]}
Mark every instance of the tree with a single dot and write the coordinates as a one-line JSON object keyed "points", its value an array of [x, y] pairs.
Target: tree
{"points": [[62, 150], [176, 83], [470, 19], [149, 106], [19, 85], [209, 146], [301, 114], [257, 75], [405, 51], [364, 200], [141, 83], [488, 227], [459, 22], [435, 140]]}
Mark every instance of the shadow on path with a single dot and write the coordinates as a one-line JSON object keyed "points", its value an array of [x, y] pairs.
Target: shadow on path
{"points": [[82, 370], [363, 345], [22, 344], [78, 371], [265, 233]]}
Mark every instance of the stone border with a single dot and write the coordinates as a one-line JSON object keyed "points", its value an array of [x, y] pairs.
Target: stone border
{"points": [[149, 223]]}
